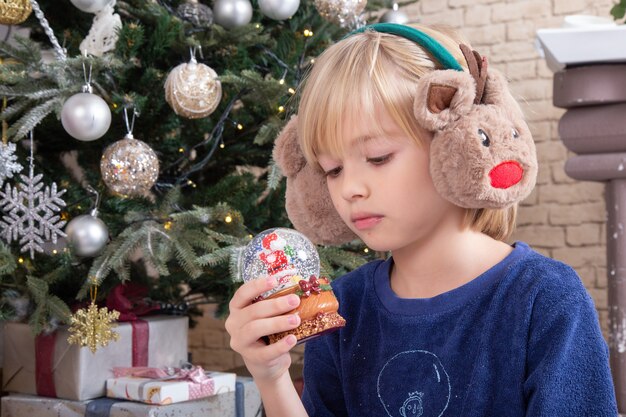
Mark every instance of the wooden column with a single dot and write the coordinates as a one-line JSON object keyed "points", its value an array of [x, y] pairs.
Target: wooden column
{"points": [[594, 127]]}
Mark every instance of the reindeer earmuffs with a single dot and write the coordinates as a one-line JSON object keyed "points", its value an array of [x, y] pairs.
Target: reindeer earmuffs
{"points": [[482, 153]]}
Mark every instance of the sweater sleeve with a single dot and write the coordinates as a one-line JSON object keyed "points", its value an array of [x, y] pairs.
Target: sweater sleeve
{"points": [[323, 394], [567, 361]]}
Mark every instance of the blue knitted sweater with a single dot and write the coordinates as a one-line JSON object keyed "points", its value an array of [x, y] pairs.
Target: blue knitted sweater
{"points": [[522, 339]]}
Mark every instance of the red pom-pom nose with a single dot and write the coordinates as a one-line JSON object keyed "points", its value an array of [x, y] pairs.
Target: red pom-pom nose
{"points": [[506, 174]]}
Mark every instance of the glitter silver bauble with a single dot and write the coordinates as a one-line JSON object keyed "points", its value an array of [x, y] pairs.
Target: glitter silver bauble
{"points": [[232, 13], [340, 12], [198, 14], [193, 90], [91, 6], [87, 234], [86, 116], [279, 9], [282, 253], [129, 167], [395, 16]]}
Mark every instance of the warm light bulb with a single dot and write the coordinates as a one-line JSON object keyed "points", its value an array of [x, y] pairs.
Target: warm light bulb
{"points": [[167, 225], [228, 219], [239, 126], [222, 146], [291, 90], [281, 109], [20, 260], [366, 250], [282, 81], [54, 251], [181, 150]]}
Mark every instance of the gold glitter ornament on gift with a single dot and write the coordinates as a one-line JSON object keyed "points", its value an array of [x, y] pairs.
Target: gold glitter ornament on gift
{"points": [[14, 12], [93, 327], [341, 12], [193, 90]]}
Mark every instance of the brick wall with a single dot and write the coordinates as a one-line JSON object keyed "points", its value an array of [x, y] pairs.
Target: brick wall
{"points": [[563, 218]]}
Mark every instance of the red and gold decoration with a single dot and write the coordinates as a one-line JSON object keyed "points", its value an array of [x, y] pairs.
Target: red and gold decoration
{"points": [[14, 12]]}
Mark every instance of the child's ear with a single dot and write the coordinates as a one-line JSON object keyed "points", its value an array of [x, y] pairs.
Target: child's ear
{"points": [[443, 96], [307, 199]]}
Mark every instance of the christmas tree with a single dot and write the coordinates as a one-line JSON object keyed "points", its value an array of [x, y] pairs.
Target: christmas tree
{"points": [[151, 127]]}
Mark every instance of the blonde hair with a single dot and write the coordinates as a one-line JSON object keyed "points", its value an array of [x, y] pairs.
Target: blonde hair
{"points": [[354, 77]]}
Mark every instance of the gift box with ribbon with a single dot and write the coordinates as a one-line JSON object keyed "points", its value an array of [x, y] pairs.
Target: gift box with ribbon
{"points": [[168, 385], [246, 402], [46, 365]]}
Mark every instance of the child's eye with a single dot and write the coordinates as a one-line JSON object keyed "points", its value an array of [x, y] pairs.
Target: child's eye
{"points": [[515, 133], [379, 160], [333, 172]]}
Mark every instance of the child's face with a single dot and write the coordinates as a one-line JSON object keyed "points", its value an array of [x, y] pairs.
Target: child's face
{"points": [[382, 188]]}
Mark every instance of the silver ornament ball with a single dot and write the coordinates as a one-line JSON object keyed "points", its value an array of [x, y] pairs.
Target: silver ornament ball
{"points": [[91, 6], [395, 16], [279, 9], [129, 167], [198, 14], [232, 13], [87, 235], [86, 116]]}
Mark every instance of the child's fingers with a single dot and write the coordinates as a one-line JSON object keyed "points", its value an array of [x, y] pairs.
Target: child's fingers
{"points": [[267, 354], [249, 291], [272, 307], [257, 329]]}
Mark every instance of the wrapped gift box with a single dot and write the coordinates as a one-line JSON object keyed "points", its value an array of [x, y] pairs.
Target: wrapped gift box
{"points": [[57, 369], [246, 402], [167, 391]]}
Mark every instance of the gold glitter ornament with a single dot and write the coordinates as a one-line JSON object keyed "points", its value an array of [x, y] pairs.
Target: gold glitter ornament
{"points": [[129, 167], [93, 326], [193, 90], [14, 12], [341, 12]]}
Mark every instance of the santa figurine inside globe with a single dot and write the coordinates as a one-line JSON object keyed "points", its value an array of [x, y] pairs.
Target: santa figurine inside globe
{"points": [[293, 260]]}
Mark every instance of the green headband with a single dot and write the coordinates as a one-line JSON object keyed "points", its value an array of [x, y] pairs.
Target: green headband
{"points": [[440, 53]]}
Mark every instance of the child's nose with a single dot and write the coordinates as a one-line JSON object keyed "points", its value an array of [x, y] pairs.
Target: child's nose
{"points": [[353, 186], [506, 174]]}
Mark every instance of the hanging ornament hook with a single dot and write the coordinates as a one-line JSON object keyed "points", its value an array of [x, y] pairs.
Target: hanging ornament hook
{"points": [[96, 206], [87, 75], [130, 126], [192, 53]]}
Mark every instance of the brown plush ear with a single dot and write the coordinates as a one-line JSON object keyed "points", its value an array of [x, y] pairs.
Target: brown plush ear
{"points": [[442, 97], [497, 92], [287, 153], [307, 200]]}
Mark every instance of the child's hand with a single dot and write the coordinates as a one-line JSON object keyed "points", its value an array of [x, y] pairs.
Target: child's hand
{"points": [[248, 322]]}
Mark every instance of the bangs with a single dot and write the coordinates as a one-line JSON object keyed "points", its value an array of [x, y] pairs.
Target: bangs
{"points": [[351, 83]]}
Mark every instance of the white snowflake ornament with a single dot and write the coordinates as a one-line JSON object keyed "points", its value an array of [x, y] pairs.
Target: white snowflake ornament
{"points": [[8, 164], [29, 212]]}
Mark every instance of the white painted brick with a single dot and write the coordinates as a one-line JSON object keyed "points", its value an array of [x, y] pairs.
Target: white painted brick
{"points": [[452, 18], [568, 6], [521, 70], [485, 35], [528, 90], [432, 6], [516, 31], [478, 16]]}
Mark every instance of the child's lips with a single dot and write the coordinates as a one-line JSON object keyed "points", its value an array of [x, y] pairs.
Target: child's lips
{"points": [[366, 221]]}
